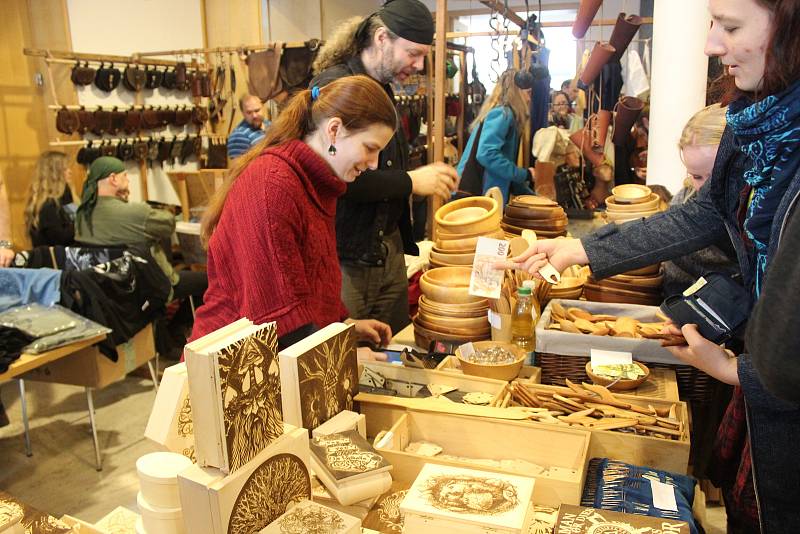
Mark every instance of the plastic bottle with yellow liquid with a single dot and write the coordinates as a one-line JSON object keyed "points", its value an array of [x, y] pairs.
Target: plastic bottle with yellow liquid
{"points": [[523, 320]]}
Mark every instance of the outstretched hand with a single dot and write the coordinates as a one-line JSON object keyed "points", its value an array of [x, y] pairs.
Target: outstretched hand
{"points": [[704, 354], [560, 253]]}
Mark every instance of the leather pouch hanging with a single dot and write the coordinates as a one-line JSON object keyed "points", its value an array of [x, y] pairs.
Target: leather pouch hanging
{"points": [[168, 116], [107, 78], [107, 149], [183, 116], [133, 121], [81, 157], [88, 154], [140, 149], [67, 121], [164, 151], [205, 84], [715, 303], [187, 149], [150, 118], [175, 151], [102, 121], [195, 84], [153, 77], [168, 80], [134, 78], [295, 66], [199, 115], [125, 151], [217, 155], [152, 151], [85, 120], [263, 69], [82, 75], [181, 77], [117, 121], [197, 146]]}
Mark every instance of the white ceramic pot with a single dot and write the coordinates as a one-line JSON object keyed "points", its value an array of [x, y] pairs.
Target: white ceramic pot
{"points": [[160, 520], [158, 478]]}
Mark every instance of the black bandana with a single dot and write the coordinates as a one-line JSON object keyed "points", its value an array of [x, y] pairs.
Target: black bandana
{"points": [[409, 19]]}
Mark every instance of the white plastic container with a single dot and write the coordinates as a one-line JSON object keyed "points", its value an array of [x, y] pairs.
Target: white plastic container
{"points": [[158, 478], [160, 520]]}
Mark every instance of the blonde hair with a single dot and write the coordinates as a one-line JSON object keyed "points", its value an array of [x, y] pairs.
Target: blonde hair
{"points": [[344, 44], [48, 183], [506, 93], [705, 127]]}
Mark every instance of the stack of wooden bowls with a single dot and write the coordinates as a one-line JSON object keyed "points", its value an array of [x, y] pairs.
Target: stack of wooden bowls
{"points": [[631, 201], [642, 286], [540, 214], [446, 309], [459, 224], [570, 287]]}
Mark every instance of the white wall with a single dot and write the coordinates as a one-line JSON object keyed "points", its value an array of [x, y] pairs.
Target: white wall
{"points": [[123, 27]]}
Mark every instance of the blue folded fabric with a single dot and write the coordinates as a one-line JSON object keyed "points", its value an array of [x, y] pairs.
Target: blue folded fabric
{"points": [[24, 286], [620, 487]]}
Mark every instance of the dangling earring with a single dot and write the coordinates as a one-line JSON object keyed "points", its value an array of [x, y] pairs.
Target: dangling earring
{"points": [[332, 150]]}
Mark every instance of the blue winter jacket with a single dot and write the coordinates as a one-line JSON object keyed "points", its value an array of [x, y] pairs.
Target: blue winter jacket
{"points": [[497, 153]]}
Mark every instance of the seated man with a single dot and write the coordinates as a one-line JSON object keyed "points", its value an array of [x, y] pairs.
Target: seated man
{"points": [[251, 130], [105, 217]]}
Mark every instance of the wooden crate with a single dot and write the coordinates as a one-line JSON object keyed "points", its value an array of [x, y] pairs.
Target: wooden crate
{"points": [[668, 455], [450, 364], [90, 368], [382, 411], [562, 450]]}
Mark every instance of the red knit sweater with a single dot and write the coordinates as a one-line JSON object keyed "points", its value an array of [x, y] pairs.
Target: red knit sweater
{"points": [[273, 256]]}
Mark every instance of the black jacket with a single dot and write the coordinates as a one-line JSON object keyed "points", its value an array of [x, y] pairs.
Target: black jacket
{"points": [[377, 202]]}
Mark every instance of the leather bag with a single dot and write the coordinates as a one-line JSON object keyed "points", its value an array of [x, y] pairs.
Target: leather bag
{"points": [[134, 78], [118, 119], [150, 118], [133, 121], [182, 116], [168, 80], [67, 121], [82, 75], [217, 155], [102, 121], [153, 78], [263, 69], [107, 78], [85, 120], [199, 115]]}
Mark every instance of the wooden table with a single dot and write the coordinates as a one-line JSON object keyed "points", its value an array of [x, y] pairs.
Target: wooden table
{"points": [[27, 362]]}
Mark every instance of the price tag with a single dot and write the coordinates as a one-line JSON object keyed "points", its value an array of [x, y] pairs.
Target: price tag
{"points": [[663, 495], [495, 320]]}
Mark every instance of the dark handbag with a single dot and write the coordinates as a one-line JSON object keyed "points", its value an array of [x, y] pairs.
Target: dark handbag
{"points": [[205, 84], [151, 118], [217, 155], [166, 116], [82, 75], [715, 303], [182, 116], [85, 120], [107, 78], [295, 66], [118, 119], [164, 151], [67, 121], [187, 149], [125, 151], [133, 121], [175, 151], [153, 77], [102, 121], [195, 85], [140, 150], [152, 151], [168, 80], [88, 154], [472, 175], [134, 78], [199, 115], [107, 149], [182, 80]]}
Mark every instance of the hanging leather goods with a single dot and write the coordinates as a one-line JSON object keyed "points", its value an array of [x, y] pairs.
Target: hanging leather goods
{"points": [[134, 78], [133, 121], [67, 121], [102, 121], [153, 77], [85, 120], [107, 78], [622, 35], [82, 75]]}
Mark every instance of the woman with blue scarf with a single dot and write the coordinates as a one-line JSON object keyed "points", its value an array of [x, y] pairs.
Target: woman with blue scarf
{"points": [[752, 193]]}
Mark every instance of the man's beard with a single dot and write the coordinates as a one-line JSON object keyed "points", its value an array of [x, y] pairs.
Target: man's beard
{"points": [[385, 70], [123, 194]]}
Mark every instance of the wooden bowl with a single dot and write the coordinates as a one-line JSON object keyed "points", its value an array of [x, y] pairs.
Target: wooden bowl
{"points": [[597, 293], [627, 286], [507, 372], [429, 310], [444, 308], [466, 215], [649, 270], [649, 204], [544, 234], [534, 212], [454, 259], [485, 223], [631, 193], [626, 216], [619, 385], [640, 281], [423, 336], [444, 322], [449, 234], [532, 200], [449, 285], [556, 223]]}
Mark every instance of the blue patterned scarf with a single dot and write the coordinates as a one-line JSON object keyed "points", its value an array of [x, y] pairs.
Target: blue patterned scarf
{"points": [[768, 131]]}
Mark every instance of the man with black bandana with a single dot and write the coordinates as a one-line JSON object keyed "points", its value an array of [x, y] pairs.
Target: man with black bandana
{"points": [[373, 218]]}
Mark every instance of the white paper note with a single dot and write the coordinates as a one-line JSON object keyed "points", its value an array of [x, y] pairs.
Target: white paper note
{"points": [[495, 320], [663, 495], [486, 281], [610, 357]]}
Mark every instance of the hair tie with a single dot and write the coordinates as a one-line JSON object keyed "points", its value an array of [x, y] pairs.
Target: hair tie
{"points": [[314, 93]]}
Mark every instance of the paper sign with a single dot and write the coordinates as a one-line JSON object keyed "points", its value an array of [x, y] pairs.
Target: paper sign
{"points": [[663, 495], [495, 320], [610, 357], [486, 281], [467, 350]]}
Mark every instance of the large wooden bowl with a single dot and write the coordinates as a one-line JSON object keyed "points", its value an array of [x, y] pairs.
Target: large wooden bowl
{"points": [[640, 281], [597, 293], [487, 221], [423, 336], [555, 223], [448, 233], [622, 217], [652, 203], [444, 322], [429, 309], [449, 285], [619, 385], [445, 307], [454, 259], [631, 193], [544, 234], [507, 372], [614, 284], [648, 270], [534, 212], [532, 200], [467, 243]]}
